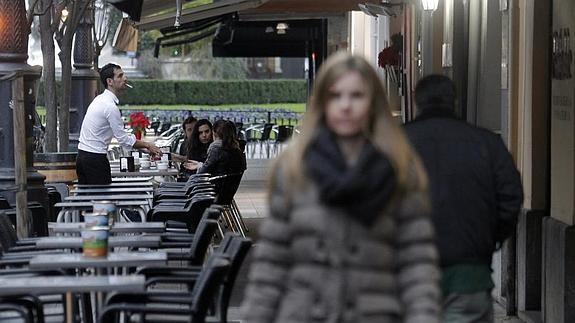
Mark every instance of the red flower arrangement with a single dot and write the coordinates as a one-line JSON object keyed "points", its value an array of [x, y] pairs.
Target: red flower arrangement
{"points": [[138, 121]]}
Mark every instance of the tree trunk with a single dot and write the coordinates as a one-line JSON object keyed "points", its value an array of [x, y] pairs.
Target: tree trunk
{"points": [[49, 77], [65, 100]]}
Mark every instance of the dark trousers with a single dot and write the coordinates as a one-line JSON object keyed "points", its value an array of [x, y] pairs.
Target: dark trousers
{"points": [[468, 308], [93, 168]]}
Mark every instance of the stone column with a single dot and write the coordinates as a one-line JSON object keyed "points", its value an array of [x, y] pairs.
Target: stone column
{"points": [[84, 78], [14, 31], [559, 228]]}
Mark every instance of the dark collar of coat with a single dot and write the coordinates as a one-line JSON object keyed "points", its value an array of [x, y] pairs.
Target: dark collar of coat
{"points": [[436, 112]]}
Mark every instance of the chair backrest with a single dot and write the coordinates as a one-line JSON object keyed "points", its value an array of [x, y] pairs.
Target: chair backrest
{"points": [[198, 206], [237, 250], [284, 133], [8, 236], [211, 214], [227, 187], [4, 204], [202, 238], [226, 241], [209, 281], [266, 131]]}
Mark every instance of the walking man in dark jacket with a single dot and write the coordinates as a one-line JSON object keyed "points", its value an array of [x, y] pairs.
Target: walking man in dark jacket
{"points": [[476, 195]]}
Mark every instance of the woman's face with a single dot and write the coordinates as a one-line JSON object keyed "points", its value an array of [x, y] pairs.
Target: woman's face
{"points": [[347, 106], [205, 134]]}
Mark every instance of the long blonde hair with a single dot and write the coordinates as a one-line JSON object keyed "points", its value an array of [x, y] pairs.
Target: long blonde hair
{"points": [[384, 132]]}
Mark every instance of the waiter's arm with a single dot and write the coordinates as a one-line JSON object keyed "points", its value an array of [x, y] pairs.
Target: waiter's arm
{"points": [[128, 140], [152, 149]]}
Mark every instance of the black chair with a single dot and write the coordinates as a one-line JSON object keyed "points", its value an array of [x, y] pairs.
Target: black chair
{"points": [[4, 204], [39, 218], [198, 249], [190, 214], [185, 239], [227, 186], [164, 126], [233, 247], [54, 197], [17, 310], [264, 140], [154, 125], [285, 132], [200, 298]]}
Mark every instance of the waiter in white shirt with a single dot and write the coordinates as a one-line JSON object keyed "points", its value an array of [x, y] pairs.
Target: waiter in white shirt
{"points": [[102, 122]]}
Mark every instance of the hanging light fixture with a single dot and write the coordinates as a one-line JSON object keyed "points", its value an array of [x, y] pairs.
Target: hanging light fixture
{"points": [[429, 5]]}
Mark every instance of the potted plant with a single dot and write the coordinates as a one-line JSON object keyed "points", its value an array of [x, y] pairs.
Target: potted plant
{"points": [[138, 121]]}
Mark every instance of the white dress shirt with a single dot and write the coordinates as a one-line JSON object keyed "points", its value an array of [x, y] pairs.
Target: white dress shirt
{"points": [[102, 122]]}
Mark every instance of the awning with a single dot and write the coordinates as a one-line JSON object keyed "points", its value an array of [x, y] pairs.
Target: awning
{"points": [[215, 9], [150, 16]]}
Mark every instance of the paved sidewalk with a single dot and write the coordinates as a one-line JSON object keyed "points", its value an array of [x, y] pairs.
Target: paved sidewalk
{"points": [[500, 316]]}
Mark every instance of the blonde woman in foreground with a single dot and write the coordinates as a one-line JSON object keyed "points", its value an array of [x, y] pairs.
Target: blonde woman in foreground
{"points": [[349, 237]]}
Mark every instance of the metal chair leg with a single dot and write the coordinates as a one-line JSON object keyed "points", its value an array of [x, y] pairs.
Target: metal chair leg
{"points": [[236, 210]]}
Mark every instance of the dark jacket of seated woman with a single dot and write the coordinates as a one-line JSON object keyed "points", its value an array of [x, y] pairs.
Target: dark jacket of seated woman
{"points": [[224, 154]]}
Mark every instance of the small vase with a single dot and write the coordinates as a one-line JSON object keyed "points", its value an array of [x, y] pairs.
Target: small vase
{"points": [[138, 134]]}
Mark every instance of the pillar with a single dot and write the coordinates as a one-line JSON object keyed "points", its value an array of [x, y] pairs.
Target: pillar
{"points": [[84, 78], [14, 31], [559, 228]]}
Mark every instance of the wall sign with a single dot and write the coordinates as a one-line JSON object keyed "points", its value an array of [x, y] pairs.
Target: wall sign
{"points": [[562, 54]]}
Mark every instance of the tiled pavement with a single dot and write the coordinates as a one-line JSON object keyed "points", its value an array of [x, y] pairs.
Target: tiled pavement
{"points": [[252, 202]]}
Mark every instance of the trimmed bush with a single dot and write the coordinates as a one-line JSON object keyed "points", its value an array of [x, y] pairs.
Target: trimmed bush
{"points": [[211, 92], [149, 92]]}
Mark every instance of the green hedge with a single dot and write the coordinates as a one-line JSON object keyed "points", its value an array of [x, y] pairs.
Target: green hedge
{"points": [[150, 92], [211, 92]]}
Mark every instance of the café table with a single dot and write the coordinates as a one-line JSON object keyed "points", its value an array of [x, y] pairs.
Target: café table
{"points": [[146, 172], [125, 179], [52, 285], [114, 260], [112, 190], [137, 241], [132, 179], [117, 228], [115, 184], [111, 197], [121, 259]]}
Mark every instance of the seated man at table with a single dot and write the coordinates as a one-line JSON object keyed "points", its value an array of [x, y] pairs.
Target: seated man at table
{"points": [[102, 122], [188, 128]]}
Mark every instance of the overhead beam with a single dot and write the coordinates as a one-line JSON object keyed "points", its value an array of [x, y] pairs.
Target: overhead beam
{"points": [[198, 13], [307, 6]]}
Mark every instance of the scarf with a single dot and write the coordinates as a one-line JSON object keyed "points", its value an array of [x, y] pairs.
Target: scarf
{"points": [[362, 190]]}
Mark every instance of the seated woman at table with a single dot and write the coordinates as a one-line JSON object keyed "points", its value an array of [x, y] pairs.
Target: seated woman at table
{"points": [[198, 139], [202, 137], [224, 154], [197, 149]]}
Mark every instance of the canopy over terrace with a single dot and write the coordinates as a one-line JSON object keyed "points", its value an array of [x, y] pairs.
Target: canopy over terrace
{"points": [[159, 14], [241, 27]]}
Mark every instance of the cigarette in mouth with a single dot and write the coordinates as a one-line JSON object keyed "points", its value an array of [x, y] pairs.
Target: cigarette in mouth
{"points": [[130, 86]]}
